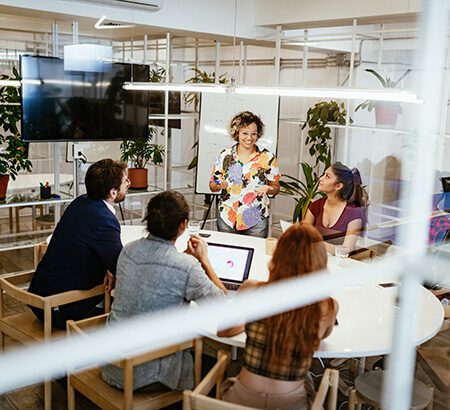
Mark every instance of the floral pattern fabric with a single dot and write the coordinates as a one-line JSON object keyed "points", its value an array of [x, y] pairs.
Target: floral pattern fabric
{"points": [[239, 206]]}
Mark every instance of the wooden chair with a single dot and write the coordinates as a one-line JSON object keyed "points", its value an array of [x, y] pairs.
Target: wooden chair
{"points": [[368, 390], [198, 399], [91, 385], [25, 327]]}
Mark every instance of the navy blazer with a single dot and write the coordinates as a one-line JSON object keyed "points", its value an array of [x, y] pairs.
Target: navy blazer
{"points": [[85, 244]]}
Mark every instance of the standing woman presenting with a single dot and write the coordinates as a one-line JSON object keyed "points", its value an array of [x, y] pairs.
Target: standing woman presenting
{"points": [[246, 175]]}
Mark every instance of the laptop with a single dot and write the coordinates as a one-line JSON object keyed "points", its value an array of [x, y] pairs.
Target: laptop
{"points": [[231, 263]]}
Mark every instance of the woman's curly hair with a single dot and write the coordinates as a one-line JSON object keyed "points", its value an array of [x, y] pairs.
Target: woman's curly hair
{"points": [[244, 119]]}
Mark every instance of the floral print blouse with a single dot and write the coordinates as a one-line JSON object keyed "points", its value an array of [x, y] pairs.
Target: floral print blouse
{"points": [[240, 206]]}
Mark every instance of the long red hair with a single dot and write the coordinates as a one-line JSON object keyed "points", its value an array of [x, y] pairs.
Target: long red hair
{"points": [[300, 251]]}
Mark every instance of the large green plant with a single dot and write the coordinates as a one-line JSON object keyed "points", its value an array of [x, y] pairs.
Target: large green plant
{"points": [[369, 105], [318, 143], [141, 151], [13, 151]]}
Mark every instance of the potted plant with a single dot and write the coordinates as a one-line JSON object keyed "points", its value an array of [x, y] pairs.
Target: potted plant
{"points": [[385, 113], [318, 141], [13, 151], [139, 152]]}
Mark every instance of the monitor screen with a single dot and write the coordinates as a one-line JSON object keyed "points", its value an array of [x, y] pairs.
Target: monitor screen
{"points": [[231, 263], [64, 105]]}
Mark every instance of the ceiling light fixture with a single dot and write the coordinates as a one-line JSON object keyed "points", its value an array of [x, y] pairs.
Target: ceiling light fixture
{"points": [[100, 25], [9, 83], [394, 95], [200, 88], [404, 96]]}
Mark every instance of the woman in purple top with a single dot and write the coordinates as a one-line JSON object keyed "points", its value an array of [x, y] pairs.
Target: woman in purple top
{"points": [[340, 216]]}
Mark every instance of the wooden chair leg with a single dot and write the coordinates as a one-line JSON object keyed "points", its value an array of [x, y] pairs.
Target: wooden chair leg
{"points": [[70, 395], [430, 404], [351, 398], [11, 222], [17, 219], [48, 395]]}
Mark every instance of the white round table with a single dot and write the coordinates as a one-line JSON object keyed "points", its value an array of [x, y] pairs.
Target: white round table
{"points": [[366, 313]]}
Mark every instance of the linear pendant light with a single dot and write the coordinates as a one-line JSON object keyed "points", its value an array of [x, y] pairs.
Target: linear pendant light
{"points": [[392, 95], [200, 88], [9, 83]]}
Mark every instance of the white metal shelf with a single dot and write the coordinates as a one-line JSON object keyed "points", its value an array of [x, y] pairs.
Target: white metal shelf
{"points": [[352, 126]]}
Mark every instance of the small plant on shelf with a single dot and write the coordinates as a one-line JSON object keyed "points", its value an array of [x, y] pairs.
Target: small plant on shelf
{"points": [[318, 141], [142, 151], [385, 113], [13, 151]]}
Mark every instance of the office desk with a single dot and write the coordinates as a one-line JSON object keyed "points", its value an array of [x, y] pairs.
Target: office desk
{"points": [[366, 313]]}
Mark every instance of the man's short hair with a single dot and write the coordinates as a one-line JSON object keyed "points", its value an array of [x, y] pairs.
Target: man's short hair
{"points": [[102, 176]]}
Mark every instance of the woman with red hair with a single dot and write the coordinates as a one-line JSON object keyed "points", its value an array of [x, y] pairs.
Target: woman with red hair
{"points": [[279, 349]]}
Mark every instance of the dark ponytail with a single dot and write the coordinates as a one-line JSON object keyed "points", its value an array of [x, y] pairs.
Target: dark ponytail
{"points": [[165, 213], [352, 190]]}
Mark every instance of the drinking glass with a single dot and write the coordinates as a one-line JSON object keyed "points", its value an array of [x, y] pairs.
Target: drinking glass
{"points": [[341, 252], [194, 228]]}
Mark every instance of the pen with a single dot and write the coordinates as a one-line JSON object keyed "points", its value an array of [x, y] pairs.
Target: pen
{"points": [[46, 184], [41, 184]]}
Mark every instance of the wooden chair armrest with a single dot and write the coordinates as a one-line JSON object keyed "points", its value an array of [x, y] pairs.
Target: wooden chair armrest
{"points": [[214, 375], [81, 326], [19, 278], [21, 295], [74, 295], [137, 358]]}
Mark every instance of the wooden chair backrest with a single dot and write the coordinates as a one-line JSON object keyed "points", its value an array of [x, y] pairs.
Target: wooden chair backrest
{"points": [[198, 399], [128, 361], [328, 388]]}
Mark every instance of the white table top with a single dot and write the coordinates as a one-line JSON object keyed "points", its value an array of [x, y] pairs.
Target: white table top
{"points": [[26, 181], [366, 313]]}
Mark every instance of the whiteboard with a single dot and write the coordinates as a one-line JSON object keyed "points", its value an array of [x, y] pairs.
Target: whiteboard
{"points": [[216, 112]]}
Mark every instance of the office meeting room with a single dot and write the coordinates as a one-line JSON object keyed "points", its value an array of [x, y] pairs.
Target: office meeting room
{"points": [[224, 204]]}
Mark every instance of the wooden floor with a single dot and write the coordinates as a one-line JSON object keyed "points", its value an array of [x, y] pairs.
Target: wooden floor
{"points": [[432, 373]]}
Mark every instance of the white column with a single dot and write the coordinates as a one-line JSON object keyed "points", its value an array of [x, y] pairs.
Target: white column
{"points": [[430, 61]]}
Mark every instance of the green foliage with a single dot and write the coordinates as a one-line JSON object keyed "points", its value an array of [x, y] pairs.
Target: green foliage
{"points": [[318, 143], [13, 151], [303, 192], [386, 83], [140, 152], [201, 77], [319, 134]]}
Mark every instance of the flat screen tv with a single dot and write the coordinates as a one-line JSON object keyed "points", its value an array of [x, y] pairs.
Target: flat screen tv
{"points": [[64, 105]]}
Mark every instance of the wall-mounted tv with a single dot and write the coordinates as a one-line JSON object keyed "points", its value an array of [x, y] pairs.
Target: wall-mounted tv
{"points": [[64, 105]]}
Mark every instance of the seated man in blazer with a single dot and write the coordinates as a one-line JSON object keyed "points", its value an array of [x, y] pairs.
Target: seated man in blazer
{"points": [[85, 244]]}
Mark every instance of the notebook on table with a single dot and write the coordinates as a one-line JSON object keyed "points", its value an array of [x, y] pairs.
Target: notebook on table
{"points": [[231, 263]]}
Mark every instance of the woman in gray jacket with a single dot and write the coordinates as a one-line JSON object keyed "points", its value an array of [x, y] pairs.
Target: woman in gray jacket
{"points": [[153, 276]]}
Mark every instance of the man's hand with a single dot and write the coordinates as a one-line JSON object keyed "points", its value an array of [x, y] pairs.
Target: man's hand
{"points": [[198, 248], [109, 282]]}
